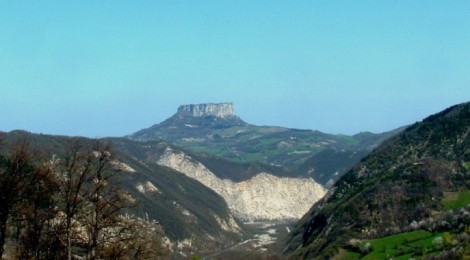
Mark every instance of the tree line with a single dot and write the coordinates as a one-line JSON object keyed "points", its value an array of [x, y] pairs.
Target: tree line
{"points": [[70, 207]]}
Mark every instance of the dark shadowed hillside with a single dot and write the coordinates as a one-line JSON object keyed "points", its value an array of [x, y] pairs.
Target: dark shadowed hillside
{"points": [[193, 217]]}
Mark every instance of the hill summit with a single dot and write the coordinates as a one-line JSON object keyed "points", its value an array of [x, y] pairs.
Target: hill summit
{"points": [[207, 109], [192, 122]]}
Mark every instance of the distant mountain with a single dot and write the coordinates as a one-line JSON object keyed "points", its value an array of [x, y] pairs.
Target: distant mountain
{"points": [[193, 217], [193, 123], [408, 198], [214, 129]]}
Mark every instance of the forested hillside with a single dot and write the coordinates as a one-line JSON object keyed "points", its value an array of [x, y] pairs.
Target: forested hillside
{"points": [[416, 181]]}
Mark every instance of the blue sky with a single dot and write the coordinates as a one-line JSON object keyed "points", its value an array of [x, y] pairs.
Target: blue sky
{"points": [[110, 67]]}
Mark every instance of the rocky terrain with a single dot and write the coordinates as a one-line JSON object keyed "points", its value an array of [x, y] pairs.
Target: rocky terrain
{"points": [[218, 110], [262, 197]]}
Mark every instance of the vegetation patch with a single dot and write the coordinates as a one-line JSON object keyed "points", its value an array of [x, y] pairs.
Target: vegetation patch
{"points": [[399, 246], [467, 165], [454, 200]]}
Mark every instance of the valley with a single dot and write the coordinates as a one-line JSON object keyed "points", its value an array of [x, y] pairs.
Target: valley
{"points": [[287, 193], [234, 130], [265, 241]]}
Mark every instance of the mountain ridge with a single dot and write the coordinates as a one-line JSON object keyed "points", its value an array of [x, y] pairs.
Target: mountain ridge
{"points": [[403, 185], [232, 138]]}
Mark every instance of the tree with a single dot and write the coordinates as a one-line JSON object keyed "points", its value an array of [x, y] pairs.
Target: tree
{"points": [[73, 173], [139, 238], [70, 207], [15, 169], [107, 199], [91, 199], [35, 214]]}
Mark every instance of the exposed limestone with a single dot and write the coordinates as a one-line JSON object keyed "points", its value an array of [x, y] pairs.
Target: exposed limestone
{"points": [[122, 166], [263, 197], [229, 225], [219, 110], [151, 187], [147, 187]]}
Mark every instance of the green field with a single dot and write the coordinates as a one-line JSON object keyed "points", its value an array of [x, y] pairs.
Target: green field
{"points": [[454, 200], [400, 246]]}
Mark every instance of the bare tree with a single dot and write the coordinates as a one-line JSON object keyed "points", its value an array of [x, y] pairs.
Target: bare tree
{"points": [[139, 238], [92, 199], [73, 172], [106, 201], [72, 206]]}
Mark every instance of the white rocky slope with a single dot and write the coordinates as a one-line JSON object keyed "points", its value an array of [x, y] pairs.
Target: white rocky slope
{"points": [[263, 197]]}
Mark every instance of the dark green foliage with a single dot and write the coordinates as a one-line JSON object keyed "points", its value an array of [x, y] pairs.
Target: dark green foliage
{"points": [[401, 181]]}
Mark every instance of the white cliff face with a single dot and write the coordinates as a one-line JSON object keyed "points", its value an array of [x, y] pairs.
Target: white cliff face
{"points": [[122, 166], [147, 187], [263, 197], [219, 110]]}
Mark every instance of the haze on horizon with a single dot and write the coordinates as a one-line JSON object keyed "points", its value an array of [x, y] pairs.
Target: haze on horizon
{"points": [[110, 68]]}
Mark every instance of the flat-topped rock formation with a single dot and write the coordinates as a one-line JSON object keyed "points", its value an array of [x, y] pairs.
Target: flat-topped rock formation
{"points": [[208, 109]]}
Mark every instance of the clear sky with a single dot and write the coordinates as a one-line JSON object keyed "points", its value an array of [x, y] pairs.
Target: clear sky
{"points": [[111, 67]]}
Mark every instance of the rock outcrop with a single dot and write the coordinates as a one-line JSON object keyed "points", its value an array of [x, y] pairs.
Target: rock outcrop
{"points": [[263, 197], [210, 109]]}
